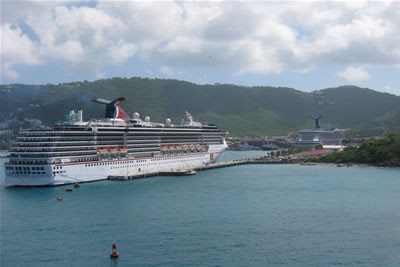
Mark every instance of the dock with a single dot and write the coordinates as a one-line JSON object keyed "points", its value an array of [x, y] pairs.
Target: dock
{"points": [[222, 164], [182, 172]]}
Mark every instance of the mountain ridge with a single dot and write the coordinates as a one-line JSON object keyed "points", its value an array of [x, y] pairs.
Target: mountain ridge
{"points": [[241, 110]]}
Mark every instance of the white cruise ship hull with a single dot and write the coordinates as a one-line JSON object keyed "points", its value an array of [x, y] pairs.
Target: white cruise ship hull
{"points": [[59, 174]]}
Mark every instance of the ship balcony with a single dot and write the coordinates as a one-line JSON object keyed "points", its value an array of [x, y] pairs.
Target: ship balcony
{"points": [[63, 145], [143, 145], [57, 141], [51, 154], [143, 139], [194, 142], [164, 140], [136, 149], [110, 141], [52, 149], [42, 139]]}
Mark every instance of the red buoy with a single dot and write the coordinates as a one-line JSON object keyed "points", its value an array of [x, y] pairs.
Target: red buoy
{"points": [[114, 253]]}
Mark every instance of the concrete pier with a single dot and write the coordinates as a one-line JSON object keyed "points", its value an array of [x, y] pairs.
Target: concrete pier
{"points": [[222, 164], [266, 161], [131, 177], [180, 172]]}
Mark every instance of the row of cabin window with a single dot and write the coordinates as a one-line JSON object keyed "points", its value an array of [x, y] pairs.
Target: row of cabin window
{"points": [[25, 168], [123, 162], [18, 173], [111, 163], [27, 162], [149, 164]]}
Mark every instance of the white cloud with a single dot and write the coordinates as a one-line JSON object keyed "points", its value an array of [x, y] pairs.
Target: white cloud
{"points": [[16, 49], [166, 71], [391, 89], [260, 37], [14, 11], [121, 52], [203, 79], [354, 74]]}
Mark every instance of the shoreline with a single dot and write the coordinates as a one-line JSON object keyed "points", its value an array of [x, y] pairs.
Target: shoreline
{"points": [[342, 165], [347, 165]]}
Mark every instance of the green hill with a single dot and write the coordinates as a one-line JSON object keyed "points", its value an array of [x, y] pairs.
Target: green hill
{"points": [[388, 122], [243, 111]]}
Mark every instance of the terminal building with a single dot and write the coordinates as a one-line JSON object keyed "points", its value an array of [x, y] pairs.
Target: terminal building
{"points": [[318, 135]]}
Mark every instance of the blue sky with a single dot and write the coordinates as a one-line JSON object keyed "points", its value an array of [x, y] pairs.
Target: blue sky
{"points": [[303, 45]]}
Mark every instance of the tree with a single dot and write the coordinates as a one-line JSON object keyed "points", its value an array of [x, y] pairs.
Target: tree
{"points": [[319, 146], [382, 151]]}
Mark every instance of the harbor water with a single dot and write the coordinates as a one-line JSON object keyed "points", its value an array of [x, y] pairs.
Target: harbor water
{"points": [[248, 215]]}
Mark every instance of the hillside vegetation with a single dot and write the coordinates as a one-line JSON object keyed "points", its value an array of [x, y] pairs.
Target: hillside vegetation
{"points": [[388, 122], [385, 152], [243, 111]]}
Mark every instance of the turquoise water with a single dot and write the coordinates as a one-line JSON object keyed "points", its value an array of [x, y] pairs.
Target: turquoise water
{"points": [[249, 215]]}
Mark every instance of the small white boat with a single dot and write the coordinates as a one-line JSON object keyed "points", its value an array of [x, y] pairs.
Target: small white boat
{"points": [[189, 172]]}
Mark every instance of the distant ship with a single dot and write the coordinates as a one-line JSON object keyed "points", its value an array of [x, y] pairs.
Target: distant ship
{"points": [[269, 146], [324, 136], [117, 145]]}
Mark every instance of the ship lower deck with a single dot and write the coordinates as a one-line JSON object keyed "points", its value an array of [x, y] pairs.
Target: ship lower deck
{"points": [[68, 173]]}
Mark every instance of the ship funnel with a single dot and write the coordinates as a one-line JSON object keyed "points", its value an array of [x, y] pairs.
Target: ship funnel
{"points": [[101, 101], [113, 110], [80, 115], [317, 124]]}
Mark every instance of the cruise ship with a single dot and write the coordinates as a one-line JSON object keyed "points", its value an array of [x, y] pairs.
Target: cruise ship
{"points": [[116, 145], [318, 135]]}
